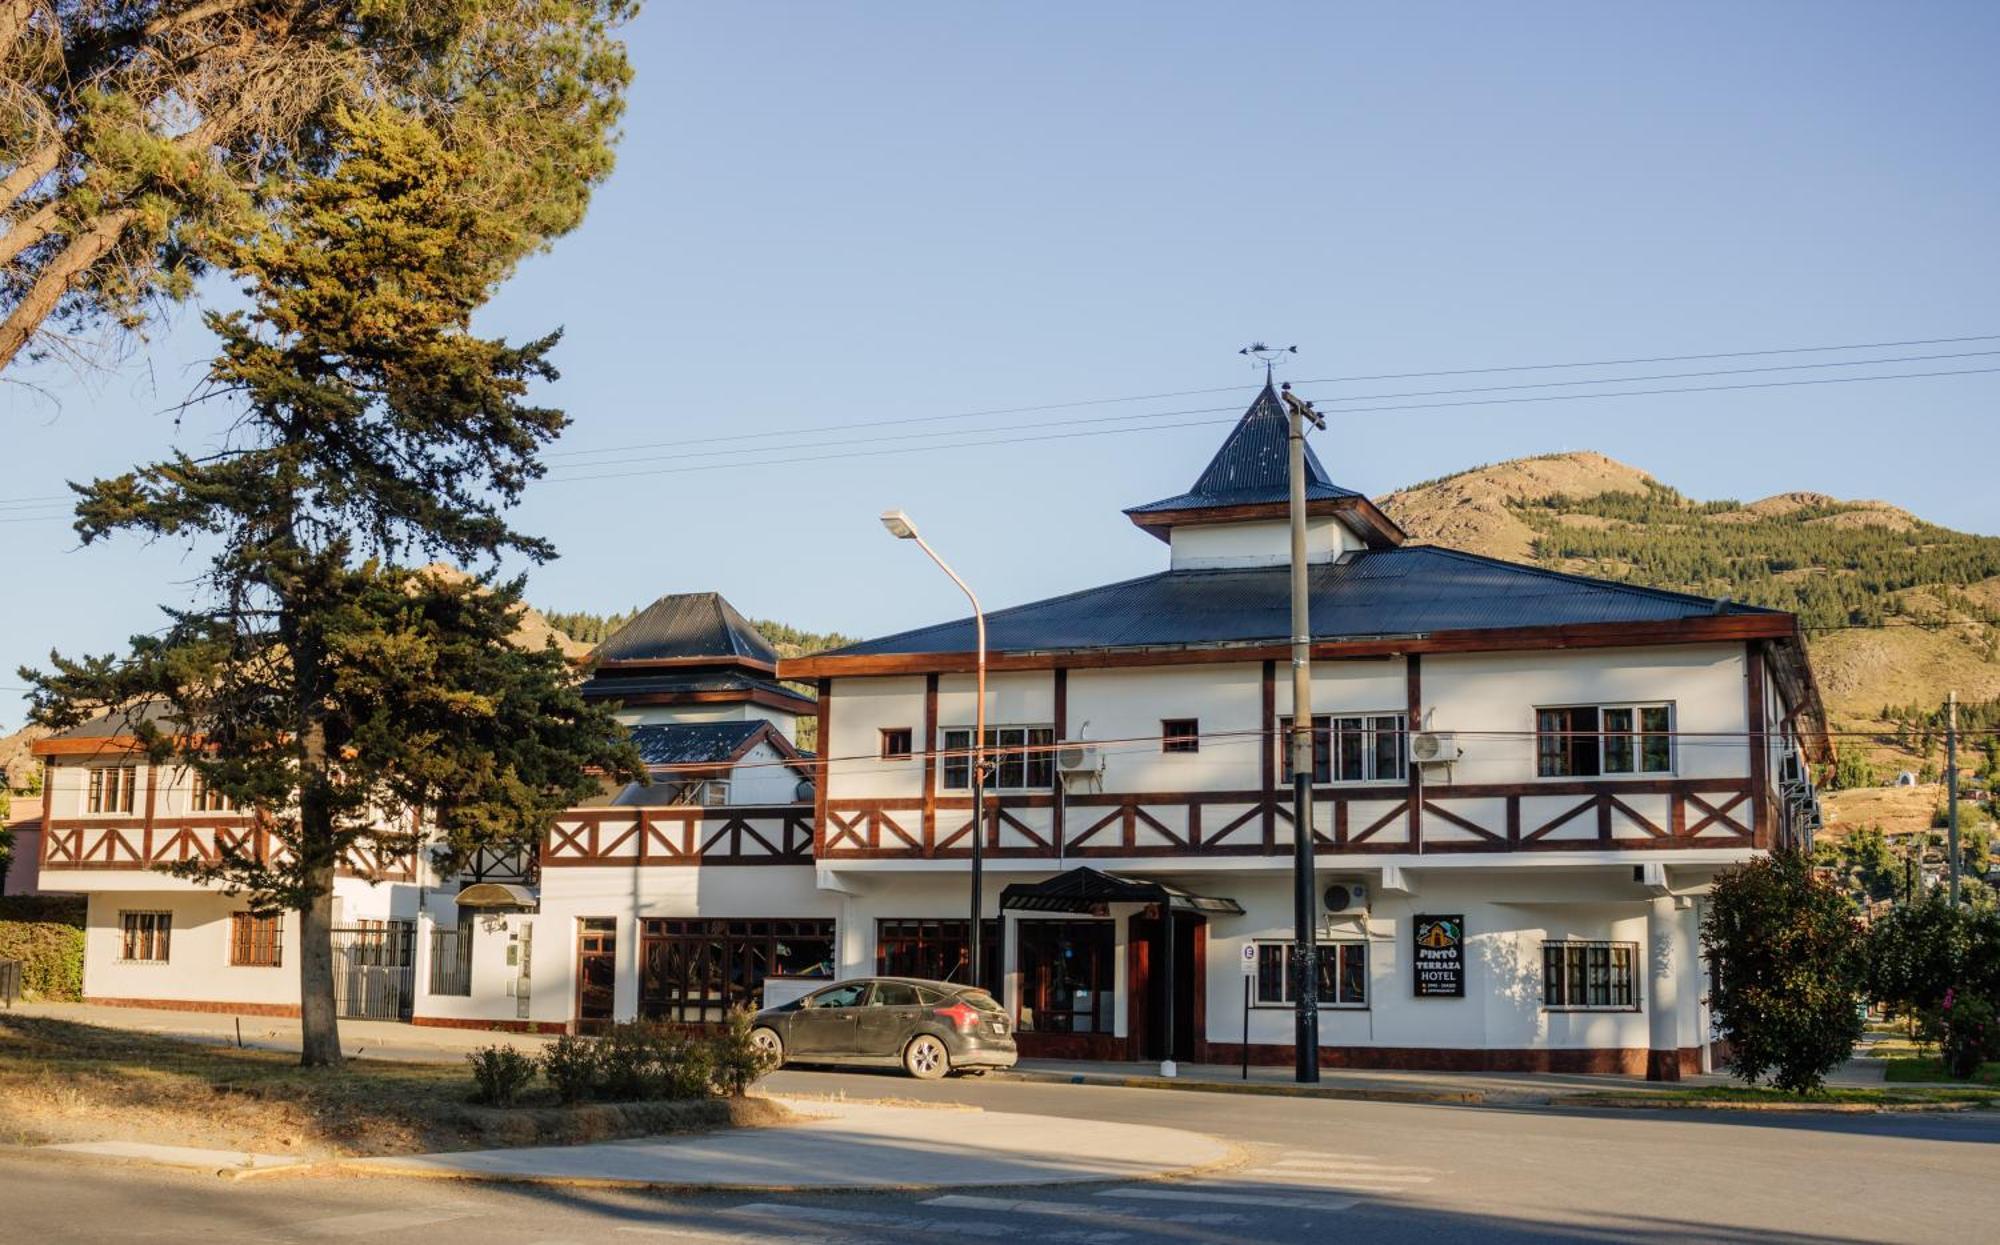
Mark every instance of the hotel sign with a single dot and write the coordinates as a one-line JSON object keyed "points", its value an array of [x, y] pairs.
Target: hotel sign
{"points": [[1440, 956]]}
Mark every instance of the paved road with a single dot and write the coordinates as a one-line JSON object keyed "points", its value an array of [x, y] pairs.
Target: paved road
{"points": [[1318, 1171]]}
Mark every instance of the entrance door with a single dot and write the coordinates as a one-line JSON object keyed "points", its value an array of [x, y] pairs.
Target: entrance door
{"points": [[1149, 997], [596, 971]]}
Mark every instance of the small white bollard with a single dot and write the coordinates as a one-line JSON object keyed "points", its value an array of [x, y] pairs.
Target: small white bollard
{"points": [[1169, 1068]]}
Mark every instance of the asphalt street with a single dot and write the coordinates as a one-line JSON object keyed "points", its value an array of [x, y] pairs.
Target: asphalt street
{"points": [[1315, 1170]]}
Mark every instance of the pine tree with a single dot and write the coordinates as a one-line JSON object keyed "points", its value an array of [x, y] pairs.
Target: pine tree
{"points": [[359, 706]]}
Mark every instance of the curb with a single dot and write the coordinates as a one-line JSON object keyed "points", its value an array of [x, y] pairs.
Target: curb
{"points": [[1781, 1108], [1448, 1097]]}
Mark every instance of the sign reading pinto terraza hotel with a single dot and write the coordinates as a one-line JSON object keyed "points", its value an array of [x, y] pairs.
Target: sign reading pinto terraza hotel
{"points": [[1440, 956]]}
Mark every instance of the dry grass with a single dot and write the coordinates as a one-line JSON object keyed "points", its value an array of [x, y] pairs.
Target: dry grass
{"points": [[61, 1081]]}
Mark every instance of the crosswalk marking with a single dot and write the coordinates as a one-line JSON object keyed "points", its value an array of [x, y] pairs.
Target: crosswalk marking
{"points": [[903, 1226], [1234, 1199], [385, 1220], [1066, 1210]]}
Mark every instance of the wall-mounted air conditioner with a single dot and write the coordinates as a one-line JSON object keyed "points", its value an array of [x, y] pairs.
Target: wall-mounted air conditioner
{"points": [[1434, 747]]}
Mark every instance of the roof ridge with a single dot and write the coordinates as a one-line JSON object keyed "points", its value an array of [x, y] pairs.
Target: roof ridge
{"points": [[1001, 613]]}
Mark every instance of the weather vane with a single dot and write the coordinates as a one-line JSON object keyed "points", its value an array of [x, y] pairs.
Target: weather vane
{"points": [[1267, 355]]}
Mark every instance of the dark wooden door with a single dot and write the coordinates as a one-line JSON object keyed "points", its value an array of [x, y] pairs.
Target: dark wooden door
{"points": [[596, 972]]}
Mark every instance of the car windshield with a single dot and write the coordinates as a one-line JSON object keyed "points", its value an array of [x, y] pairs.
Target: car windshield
{"points": [[983, 1001]]}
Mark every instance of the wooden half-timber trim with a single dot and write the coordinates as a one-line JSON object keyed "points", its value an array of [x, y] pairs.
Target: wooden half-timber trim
{"points": [[1701, 813], [753, 696], [675, 663], [1376, 529], [1707, 628], [1413, 721], [1760, 747], [679, 835], [140, 844], [90, 746], [930, 756]]}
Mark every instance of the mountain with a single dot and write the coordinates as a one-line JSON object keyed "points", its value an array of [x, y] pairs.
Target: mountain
{"points": [[589, 629], [1898, 611]]}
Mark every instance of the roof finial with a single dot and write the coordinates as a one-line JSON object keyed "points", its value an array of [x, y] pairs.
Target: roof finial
{"points": [[1267, 355]]}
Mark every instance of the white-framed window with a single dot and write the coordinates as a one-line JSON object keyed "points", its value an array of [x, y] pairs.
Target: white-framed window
{"points": [[1580, 975], [1588, 741], [112, 789], [204, 798], [1018, 758], [144, 937], [1358, 747], [1343, 974]]}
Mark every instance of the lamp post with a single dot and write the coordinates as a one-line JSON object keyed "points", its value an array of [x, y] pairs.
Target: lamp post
{"points": [[902, 528]]}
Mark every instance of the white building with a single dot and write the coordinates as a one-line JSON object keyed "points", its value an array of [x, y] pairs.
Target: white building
{"points": [[1604, 750]]}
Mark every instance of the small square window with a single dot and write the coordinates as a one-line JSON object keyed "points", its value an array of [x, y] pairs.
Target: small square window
{"points": [[1180, 735], [896, 743]]}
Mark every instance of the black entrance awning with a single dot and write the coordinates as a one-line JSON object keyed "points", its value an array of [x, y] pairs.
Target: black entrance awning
{"points": [[1083, 888]]}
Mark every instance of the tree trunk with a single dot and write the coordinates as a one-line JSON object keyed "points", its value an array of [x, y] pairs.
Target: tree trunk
{"points": [[319, 1027], [48, 290]]}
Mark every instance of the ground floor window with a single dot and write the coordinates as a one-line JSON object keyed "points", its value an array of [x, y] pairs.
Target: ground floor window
{"points": [[256, 941], [1584, 975], [936, 950], [1343, 974], [1068, 978], [144, 936], [693, 971]]}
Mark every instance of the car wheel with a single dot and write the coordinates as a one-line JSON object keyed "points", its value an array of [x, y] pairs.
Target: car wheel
{"points": [[768, 1041], [926, 1058]]}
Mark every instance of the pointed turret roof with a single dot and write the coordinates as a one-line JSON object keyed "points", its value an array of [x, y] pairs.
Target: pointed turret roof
{"points": [[687, 627], [1249, 479]]}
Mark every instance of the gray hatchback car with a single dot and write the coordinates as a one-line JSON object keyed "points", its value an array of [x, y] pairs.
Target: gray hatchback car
{"points": [[927, 1028]]}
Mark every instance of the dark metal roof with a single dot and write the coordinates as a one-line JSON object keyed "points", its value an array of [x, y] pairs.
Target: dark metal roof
{"points": [[1410, 590], [693, 743], [685, 625], [1083, 888], [122, 723], [1251, 468], [612, 684]]}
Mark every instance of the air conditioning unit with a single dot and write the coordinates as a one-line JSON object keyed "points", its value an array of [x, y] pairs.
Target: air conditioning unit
{"points": [[1434, 747], [1347, 898], [1079, 758]]}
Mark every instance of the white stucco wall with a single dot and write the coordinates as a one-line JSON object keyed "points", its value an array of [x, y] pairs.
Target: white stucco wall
{"points": [[1203, 546]]}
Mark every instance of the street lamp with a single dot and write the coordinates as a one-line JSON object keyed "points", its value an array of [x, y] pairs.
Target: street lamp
{"points": [[902, 528]]}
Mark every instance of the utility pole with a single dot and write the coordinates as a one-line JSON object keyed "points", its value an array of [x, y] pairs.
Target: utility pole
{"points": [[1305, 902], [1951, 792]]}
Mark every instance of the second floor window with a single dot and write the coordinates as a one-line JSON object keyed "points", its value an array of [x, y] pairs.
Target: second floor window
{"points": [[1018, 758], [112, 788], [895, 743], [204, 798], [1585, 741], [1367, 748], [1180, 735]]}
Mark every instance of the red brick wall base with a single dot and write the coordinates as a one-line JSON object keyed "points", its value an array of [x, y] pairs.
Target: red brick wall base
{"points": [[1602, 1061], [212, 1007], [496, 1026]]}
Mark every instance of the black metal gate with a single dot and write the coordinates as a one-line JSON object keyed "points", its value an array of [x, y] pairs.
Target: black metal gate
{"points": [[374, 970]]}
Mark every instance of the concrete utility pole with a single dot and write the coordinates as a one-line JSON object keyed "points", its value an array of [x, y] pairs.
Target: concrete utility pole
{"points": [[1305, 911], [1951, 792]]}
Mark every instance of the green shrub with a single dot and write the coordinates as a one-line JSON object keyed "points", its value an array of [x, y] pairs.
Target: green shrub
{"points": [[1967, 1031], [738, 1062], [46, 935], [499, 1074], [572, 1067], [641, 1061], [1791, 963]]}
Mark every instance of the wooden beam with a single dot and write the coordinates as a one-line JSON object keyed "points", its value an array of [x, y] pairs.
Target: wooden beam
{"points": [[1414, 686], [1760, 755], [930, 757], [1268, 760]]}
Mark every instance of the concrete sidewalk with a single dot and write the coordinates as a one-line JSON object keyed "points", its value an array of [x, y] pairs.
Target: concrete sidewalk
{"points": [[1498, 1088], [844, 1145], [359, 1039]]}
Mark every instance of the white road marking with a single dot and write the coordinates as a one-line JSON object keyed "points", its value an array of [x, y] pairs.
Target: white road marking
{"points": [[1066, 1210], [384, 1220], [1338, 1175], [1234, 1199], [1309, 1156], [903, 1226], [1349, 1165]]}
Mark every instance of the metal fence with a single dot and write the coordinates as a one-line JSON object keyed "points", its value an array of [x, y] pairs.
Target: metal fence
{"points": [[451, 961], [372, 971], [10, 981]]}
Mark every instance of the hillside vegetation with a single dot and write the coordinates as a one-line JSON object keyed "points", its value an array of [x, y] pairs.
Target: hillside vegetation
{"points": [[590, 629]]}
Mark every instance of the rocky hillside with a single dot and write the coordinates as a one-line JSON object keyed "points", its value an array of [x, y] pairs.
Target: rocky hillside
{"points": [[1898, 611]]}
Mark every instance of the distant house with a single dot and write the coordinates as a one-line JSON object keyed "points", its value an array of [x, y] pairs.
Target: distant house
{"points": [[24, 821], [1907, 778]]}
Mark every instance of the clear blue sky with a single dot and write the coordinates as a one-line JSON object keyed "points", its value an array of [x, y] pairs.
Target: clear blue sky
{"points": [[830, 213]]}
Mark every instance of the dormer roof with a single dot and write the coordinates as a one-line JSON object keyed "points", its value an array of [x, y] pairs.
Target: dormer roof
{"points": [[1248, 480]]}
